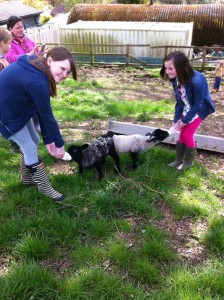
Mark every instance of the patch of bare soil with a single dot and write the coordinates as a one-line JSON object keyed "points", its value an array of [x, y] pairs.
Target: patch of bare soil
{"points": [[183, 242]]}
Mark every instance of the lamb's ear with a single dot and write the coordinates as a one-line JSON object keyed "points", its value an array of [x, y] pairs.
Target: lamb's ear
{"points": [[84, 146], [108, 134], [151, 139], [71, 149], [148, 134]]}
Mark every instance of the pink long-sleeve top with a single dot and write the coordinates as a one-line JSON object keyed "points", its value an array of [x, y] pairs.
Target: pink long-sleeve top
{"points": [[19, 48]]}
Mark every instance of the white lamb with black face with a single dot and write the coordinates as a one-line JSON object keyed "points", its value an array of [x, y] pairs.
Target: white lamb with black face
{"points": [[131, 143], [136, 143]]}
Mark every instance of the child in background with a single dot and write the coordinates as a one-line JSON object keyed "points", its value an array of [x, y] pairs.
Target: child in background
{"points": [[219, 71], [5, 39]]}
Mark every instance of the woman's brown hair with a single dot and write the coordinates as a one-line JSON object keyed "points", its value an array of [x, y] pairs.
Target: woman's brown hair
{"points": [[11, 22], [182, 66], [57, 53]]}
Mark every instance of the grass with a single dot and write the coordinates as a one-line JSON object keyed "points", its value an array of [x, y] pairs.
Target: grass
{"points": [[111, 243]]}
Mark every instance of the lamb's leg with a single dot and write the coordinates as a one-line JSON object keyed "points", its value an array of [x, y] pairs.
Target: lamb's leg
{"points": [[134, 156], [98, 166], [113, 153], [80, 170]]}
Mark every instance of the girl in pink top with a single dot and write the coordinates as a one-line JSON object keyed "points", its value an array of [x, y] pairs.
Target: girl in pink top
{"points": [[20, 43]]}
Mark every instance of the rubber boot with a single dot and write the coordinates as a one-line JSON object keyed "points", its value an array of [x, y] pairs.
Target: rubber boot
{"points": [[40, 177], [25, 175], [180, 149], [190, 154]]}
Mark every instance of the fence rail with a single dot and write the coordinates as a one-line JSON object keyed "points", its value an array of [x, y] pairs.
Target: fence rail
{"points": [[125, 57], [122, 54]]}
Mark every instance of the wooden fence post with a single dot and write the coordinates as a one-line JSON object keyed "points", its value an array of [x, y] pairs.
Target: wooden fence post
{"points": [[204, 50], [91, 54], [165, 50], [127, 55]]}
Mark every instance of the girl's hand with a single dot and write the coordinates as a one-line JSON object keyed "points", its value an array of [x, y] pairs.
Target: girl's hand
{"points": [[182, 124], [56, 152], [60, 152], [176, 126], [51, 149]]}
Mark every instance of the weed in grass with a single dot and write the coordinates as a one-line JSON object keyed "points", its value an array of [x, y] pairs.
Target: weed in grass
{"points": [[144, 117], [29, 281], [13, 229], [193, 203], [145, 271], [91, 284], [214, 237], [85, 256], [155, 247], [190, 206], [122, 225], [32, 246], [205, 282], [100, 228], [119, 253], [215, 182]]}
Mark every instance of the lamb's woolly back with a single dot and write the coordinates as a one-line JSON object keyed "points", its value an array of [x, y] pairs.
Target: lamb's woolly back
{"points": [[137, 143], [131, 143], [96, 151]]}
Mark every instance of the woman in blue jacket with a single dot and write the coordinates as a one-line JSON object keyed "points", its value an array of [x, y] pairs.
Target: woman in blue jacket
{"points": [[193, 104], [26, 87]]}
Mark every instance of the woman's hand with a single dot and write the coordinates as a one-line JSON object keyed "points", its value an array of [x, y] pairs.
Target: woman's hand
{"points": [[54, 151], [35, 51]]}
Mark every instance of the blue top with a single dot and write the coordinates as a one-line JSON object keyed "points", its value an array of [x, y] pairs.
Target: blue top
{"points": [[198, 96], [24, 93]]}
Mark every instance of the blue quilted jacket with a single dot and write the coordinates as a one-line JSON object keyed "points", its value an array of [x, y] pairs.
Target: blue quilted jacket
{"points": [[198, 96], [24, 93]]}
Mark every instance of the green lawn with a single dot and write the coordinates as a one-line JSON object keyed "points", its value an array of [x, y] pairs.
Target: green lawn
{"points": [[108, 240]]}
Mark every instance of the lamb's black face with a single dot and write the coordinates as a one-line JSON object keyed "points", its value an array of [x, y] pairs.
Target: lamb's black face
{"points": [[157, 135], [160, 134], [75, 152]]}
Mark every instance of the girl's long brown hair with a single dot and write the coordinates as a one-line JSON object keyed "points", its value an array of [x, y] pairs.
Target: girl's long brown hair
{"points": [[182, 66], [57, 53]]}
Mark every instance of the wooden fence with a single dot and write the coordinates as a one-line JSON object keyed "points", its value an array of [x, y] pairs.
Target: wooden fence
{"points": [[90, 55], [98, 54]]}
